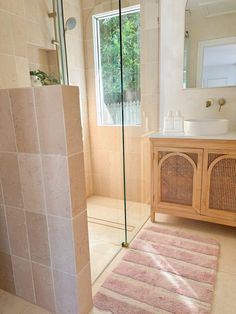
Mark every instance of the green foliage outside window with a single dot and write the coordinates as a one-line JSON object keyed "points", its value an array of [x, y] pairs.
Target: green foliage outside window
{"points": [[110, 57]]}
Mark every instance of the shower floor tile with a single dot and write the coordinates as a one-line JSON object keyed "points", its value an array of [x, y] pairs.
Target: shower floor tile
{"points": [[106, 228], [11, 304]]}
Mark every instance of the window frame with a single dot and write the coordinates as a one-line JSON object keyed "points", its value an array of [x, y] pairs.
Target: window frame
{"points": [[97, 58]]}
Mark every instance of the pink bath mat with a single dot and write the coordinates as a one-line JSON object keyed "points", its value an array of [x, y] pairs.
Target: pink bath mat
{"points": [[163, 271]]}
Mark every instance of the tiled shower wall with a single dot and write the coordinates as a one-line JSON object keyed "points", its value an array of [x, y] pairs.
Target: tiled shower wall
{"points": [[76, 69], [25, 40], [106, 141], [44, 255]]}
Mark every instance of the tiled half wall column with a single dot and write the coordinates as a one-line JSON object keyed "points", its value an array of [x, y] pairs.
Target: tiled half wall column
{"points": [[44, 253]]}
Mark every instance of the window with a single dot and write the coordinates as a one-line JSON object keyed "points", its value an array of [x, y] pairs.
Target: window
{"points": [[107, 62]]}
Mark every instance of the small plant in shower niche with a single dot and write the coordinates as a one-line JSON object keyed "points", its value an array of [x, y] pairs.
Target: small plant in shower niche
{"points": [[43, 78]]}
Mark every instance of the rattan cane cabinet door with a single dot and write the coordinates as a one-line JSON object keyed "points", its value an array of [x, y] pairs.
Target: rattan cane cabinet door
{"points": [[177, 179], [219, 185]]}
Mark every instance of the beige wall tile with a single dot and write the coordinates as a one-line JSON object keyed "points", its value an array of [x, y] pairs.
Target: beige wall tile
{"points": [[50, 118], [43, 285], [22, 22], [72, 119], [116, 177], [4, 5], [32, 182], [52, 57], [89, 183], [133, 144], [6, 42], [7, 133], [133, 166], [17, 232], [88, 4], [23, 278], [100, 161], [76, 65], [4, 243], [80, 226], [19, 32], [150, 13], [149, 45], [1, 194], [116, 186], [149, 70], [84, 290], [77, 183], [24, 120], [56, 182], [75, 52], [101, 184], [16, 7], [105, 138], [32, 10], [61, 243], [10, 177], [66, 293], [22, 71], [88, 168], [23, 172], [37, 55], [38, 238], [6, 273], [133, 191], [34, 33], [8, 77], [150, 104]]}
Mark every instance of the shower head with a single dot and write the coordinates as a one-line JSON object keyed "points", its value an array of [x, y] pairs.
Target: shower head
{"points": [[70, 24]]}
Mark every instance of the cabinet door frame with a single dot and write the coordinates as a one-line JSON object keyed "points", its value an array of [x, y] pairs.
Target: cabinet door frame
{"points": [[205, 209], [195, 208]]}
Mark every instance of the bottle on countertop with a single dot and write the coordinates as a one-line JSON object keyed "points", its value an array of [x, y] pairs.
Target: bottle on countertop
{"points": [[178, 122], [168, 122]]}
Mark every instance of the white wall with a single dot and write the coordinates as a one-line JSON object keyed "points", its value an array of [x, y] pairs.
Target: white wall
{"points": [[191, 101]]}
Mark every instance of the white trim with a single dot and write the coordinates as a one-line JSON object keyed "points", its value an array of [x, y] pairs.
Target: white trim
{"points": [[97, 64], [126, 10], [209, 43]]}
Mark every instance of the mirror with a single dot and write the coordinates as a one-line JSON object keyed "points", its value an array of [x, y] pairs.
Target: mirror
{"points": [[210, 44]]}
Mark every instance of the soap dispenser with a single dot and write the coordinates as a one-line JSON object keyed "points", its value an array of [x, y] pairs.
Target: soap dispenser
{"points": [[168, 122], [178, 122]]}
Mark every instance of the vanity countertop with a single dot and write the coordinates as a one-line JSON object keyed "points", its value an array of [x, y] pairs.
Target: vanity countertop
{"points": [[230, 136]]}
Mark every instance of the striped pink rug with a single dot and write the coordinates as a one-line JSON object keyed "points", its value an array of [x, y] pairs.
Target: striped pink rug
{"points": [[163, 271]]}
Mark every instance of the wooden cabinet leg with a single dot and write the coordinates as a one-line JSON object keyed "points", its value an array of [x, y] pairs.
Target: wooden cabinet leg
{"points": [[152, 216]]}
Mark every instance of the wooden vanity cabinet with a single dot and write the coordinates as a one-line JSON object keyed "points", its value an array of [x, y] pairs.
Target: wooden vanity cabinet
{"points": [[219, 184], [194, 179], [177, 179]]}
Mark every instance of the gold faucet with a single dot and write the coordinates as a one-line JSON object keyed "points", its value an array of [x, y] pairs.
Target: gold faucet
{"points": [[221, 103], [209, 102]]}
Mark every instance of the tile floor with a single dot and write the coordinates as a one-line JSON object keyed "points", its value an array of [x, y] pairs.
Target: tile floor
{"points": [[224, 299], [106, 228], [10, 304]]}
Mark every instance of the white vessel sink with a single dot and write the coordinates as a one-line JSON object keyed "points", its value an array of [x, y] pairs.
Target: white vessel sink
{"points": [[206, 126]]}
